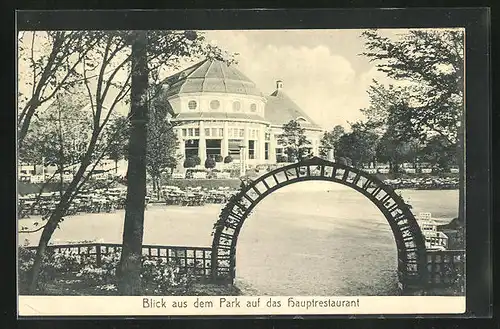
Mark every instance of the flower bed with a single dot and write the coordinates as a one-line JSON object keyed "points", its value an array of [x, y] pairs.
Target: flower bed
{"points": [[424, 183], [70, 273]]}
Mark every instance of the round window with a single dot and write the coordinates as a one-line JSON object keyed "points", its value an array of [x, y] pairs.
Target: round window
{"points": [[192, 105], [253, 107], [215, 104], [236, 106]]}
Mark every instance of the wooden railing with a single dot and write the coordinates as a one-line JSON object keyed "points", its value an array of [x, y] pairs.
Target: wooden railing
{"points": [[197, 260], [437, 241], [446, 268]]}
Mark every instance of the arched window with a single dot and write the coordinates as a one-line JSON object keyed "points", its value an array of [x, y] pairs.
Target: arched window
{"points": [[236, 106], [253, 107], [192, 105], [215, 104]]}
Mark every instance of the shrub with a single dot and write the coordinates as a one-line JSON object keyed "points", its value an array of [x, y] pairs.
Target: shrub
{"points": [[197, 160], [103, 275], [344, 160], [158, 276], [53, 264], [233, 173], [228, 159], [25, 258], [219, 158], [281, 158], [189, 163], [209, 163]]}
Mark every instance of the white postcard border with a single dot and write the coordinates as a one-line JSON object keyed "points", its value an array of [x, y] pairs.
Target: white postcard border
{"points": [[236, 305]]}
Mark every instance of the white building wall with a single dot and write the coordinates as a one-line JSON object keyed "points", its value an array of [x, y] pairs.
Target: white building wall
{"points": [[180, 103]]}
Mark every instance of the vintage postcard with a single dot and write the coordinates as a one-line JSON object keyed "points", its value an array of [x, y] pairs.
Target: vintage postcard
{"points": [[240, 172]]}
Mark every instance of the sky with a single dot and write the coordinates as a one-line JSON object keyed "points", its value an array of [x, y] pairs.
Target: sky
{"points": [[321, 70]]}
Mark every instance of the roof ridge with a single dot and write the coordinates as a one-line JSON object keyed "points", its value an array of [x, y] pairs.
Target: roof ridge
{"points": [[206, 73], [180, 77], [224, 77], [242, 76], [290, 105], [242, 79], [194, 68]]}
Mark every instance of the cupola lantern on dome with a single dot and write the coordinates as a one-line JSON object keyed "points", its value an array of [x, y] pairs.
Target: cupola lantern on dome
{"points": [[279, 84]]}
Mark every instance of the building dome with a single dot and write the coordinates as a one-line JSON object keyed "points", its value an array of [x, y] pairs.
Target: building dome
{"points": [[211, 76]]}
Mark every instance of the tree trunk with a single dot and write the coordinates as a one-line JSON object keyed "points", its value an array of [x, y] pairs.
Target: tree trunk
{"points": [[61, 181], [116, 166], [52, 223], [47, 232], [461, 138], [60, 165], [461, 170], [25, 124], [158, 187], [129, 269]]}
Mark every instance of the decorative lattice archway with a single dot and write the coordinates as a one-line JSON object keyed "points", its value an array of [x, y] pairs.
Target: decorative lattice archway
{"points": [[412, 267]]}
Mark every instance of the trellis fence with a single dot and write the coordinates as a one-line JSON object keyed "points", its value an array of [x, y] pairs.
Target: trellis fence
{"points": [[445, 267], [196, 260]]}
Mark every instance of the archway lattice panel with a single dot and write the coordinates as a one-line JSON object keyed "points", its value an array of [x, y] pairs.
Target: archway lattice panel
{"points": [[409, 239]]}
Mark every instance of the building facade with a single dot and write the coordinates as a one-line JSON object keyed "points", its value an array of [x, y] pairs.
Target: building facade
{"points": [[221, 112]]}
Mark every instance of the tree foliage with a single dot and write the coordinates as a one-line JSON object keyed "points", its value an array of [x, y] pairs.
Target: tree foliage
{"points": [[431, 62], [330, 139], [59, 134], [162, 142], [117, 149], [294, 141], [104, 67], [395, 151], [358, 145], [439, 153], [48, 64], [343, 160]]}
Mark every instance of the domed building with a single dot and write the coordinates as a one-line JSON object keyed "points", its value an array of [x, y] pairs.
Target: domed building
{"points": [[220, 111]]}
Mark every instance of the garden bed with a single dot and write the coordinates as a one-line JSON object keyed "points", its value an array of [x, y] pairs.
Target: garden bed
{"points": [[79, 275], [71, 285]]}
